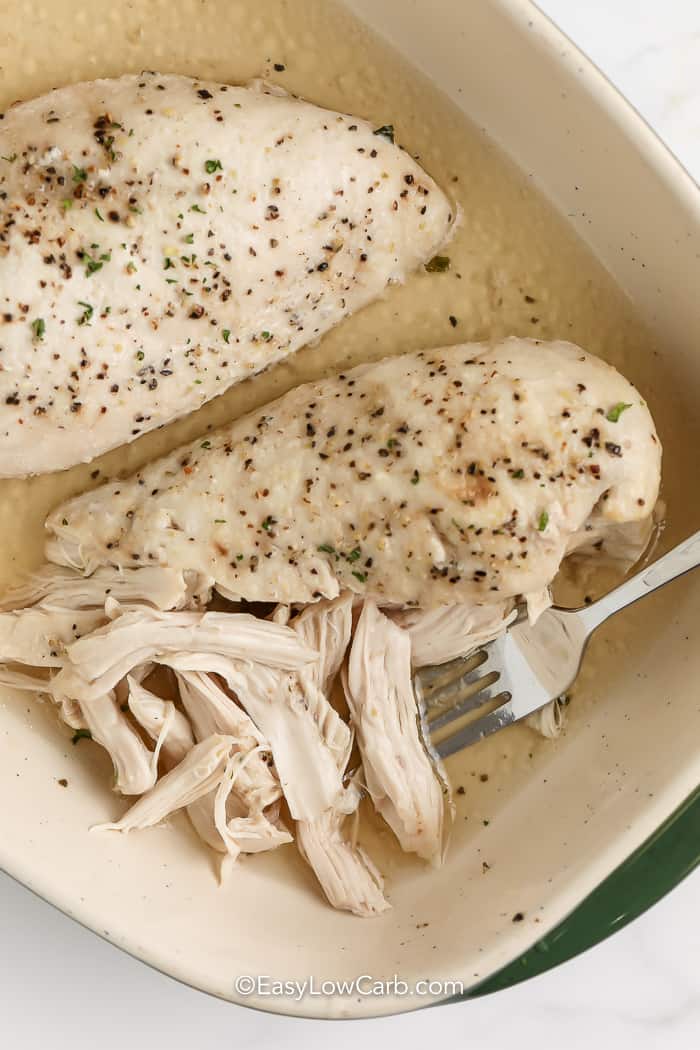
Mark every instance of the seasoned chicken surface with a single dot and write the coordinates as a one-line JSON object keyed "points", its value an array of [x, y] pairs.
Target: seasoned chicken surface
{"points": [[457, 475], [162, 238]]}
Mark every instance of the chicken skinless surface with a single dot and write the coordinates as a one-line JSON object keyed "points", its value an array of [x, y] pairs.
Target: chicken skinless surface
{"points": [[162, 238], [446, 476]]}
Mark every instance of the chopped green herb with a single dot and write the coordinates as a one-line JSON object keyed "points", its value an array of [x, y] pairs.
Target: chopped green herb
{"points": [[239, 557], [415, 478], [196, 207], [518, 473], [140, 355], [391, 443], [206, 444], [131, 267], [39, 328], [210, 166], [66, 203], [326, 548], [616, 411], [93, 265], [11, 158], [267, 336], [81, 734], [168, 263], [86, 314], [171, 280], [543, 521], [438, 264], [386, 131], [136, 210], [219, 521], [361, 576], [353, 555], [188, 238], [269, 522], [79, 174], [226, 334], [97, 213]]}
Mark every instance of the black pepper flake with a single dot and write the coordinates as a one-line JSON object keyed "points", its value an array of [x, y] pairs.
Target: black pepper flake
{"points": [[386, 131]]}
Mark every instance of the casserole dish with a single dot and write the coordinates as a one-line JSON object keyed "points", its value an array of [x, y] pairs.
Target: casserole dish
{"points": [[541, 825]]}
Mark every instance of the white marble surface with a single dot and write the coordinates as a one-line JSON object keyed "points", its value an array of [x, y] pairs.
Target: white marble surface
{"points": [[61, 986]]}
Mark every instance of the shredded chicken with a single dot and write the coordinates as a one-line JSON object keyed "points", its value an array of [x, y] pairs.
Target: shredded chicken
{"points": [[303, 731], [161, 719], [399, 775], [349, 879], [39, 636], [211, 710], [443, 634], [135, 767], [97, 662], [200, 770], [59, 587], [347, 875], [549, 720]]}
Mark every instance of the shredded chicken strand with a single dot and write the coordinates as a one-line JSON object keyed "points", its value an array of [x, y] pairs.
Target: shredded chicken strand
{"points": [[200, 770], [399, 775]]}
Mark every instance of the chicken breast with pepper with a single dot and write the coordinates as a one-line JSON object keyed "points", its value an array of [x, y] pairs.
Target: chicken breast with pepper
{"points": [[463, 474], [162, 238]]}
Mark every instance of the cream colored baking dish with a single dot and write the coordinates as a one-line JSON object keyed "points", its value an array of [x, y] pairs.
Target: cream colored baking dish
{"points": [[552, 820]]}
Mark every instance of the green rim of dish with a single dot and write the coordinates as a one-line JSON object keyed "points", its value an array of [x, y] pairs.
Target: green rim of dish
{"points": [[654, 869]]}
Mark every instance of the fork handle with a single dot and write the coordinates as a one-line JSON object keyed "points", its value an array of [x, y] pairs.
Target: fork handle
{"points": [[682, 559]]}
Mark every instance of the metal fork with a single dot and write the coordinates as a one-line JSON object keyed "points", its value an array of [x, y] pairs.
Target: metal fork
{"points": [[527, 667]]}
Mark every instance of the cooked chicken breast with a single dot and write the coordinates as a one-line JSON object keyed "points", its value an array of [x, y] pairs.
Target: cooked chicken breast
{"points": [[459, 475], [162, 238]]}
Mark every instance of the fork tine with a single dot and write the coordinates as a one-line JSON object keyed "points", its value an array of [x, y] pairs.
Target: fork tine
{"points": [[438, 678], [501, 716], [470, 695]]}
